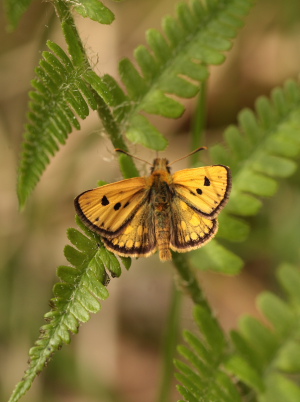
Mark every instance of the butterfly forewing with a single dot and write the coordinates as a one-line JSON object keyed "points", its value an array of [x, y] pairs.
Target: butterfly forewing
{"points": [[109, 208], [137, 239], [189, 229], [205, 189]]}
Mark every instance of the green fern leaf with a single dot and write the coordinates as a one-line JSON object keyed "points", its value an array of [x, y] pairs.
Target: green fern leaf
{"points": [[175, 63], [203, 377], [61, 93], [216, 257], [143, 132], [83, 285], [259, 153], [95, 10], [267, 358]]}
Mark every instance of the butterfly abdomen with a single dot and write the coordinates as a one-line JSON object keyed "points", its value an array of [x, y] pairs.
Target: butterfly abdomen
{"points": [[162, 231], [161, 201]]}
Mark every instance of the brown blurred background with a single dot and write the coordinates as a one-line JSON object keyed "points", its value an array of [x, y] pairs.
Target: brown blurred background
{"points": [[117, 355]]}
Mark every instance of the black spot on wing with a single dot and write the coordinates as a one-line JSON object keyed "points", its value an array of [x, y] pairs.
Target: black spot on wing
{"points": [[206, 181], [126, 205], [117, 206], [199, 191], [104, 201]]}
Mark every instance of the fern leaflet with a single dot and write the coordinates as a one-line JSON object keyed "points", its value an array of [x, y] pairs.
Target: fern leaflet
{"points": [[267, 358], [95, 10], [83, 283], [203, 377]]}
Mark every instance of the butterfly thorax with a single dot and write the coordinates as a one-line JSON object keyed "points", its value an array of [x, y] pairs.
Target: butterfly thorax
{"points": [[160, 182]]}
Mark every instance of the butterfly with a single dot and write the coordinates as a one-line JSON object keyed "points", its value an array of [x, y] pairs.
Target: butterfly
{"points": [[164, 211]]}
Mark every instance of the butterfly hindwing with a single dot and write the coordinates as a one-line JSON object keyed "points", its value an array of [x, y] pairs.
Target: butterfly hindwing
{"points": [[138, 238], [189, 229], [109, 208], [205, 189]]}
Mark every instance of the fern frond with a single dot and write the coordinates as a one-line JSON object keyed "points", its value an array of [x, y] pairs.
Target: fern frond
{"points": [[83, 284], [61, 93], [267, 359], [174, 64], [260, 152], [203, 377]]}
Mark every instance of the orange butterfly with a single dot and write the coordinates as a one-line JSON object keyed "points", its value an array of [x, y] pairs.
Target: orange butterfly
{"points": [[137, 216]]}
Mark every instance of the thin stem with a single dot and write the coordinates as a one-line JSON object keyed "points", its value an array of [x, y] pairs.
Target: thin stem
{"points": [[199, 122], [169, 347], [189, 282]]}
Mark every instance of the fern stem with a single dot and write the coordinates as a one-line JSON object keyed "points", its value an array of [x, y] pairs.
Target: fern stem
{"points": [[189, 281], [199, 122], [71, 34], [169, 346]]}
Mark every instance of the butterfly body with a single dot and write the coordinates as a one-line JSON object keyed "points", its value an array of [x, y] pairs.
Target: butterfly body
{"points": [[137, 216], [162, 193]]}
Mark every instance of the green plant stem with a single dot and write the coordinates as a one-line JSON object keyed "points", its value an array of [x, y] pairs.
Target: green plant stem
{"points": [[79, 57], [189, 282], [169, 346], [199, 122]]}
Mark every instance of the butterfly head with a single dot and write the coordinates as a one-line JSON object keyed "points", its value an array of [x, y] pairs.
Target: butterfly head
{"points": [[159, 165]]}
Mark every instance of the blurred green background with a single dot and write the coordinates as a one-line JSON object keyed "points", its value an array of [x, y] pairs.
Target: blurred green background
{"points": [[117, 355]]}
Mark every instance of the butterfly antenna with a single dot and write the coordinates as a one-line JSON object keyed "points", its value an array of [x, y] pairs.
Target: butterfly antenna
{"points": [[186, 156], [132, 156]]}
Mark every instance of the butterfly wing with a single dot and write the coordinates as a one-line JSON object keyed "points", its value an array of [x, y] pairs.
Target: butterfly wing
{"points": [[189, 228], [205, 189], [107, 210], [138, 238]]}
